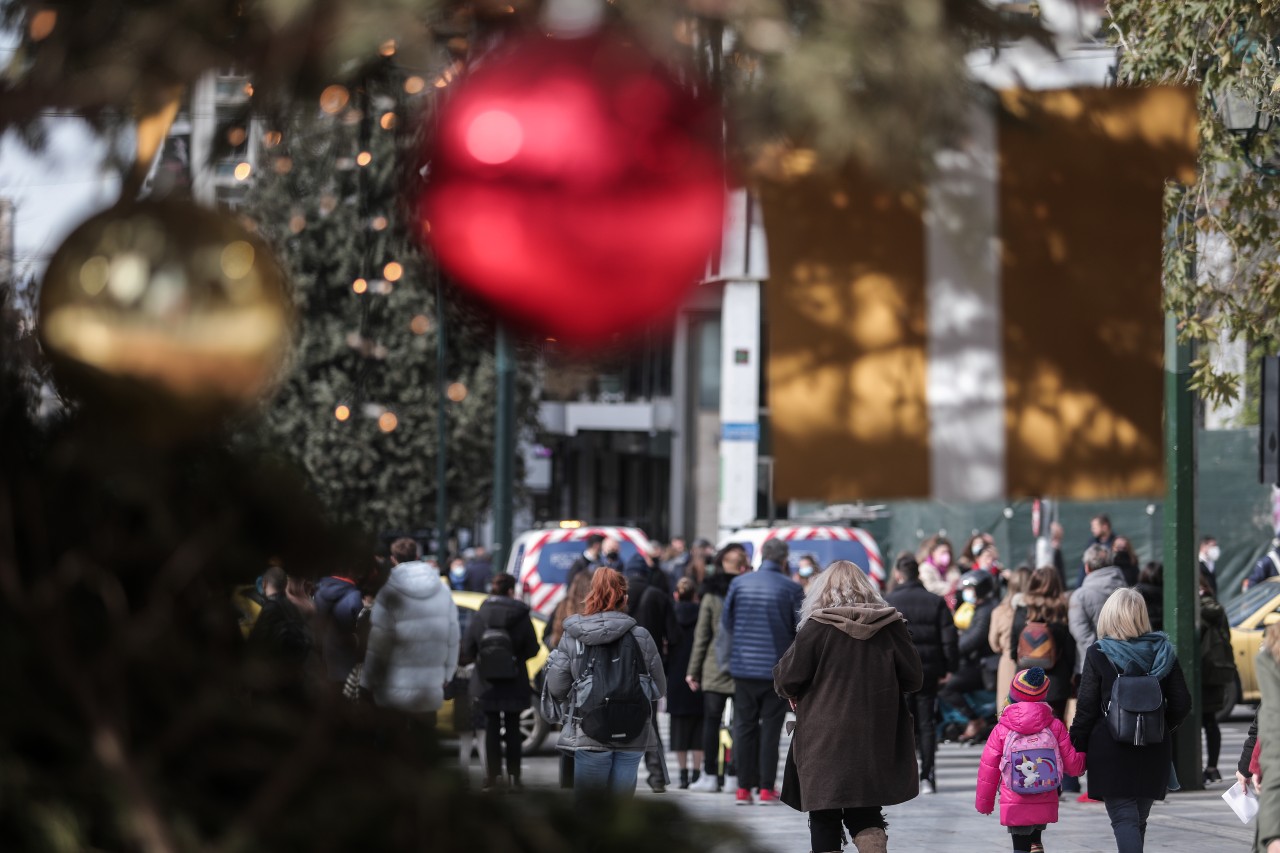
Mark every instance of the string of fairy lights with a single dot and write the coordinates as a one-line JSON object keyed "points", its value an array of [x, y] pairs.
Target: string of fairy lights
{"points": [[375, 277]]}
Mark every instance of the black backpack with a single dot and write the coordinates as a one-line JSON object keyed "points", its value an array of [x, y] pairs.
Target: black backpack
{"points": [[496, 658], [616, 709], [1135, 714]]}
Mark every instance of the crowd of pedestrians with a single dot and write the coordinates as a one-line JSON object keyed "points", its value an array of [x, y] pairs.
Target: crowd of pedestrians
{"points": [[958, 645]]}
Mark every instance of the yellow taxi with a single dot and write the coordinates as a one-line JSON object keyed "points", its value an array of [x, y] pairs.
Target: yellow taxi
{"points": [[532, 725], [1255, 609]]}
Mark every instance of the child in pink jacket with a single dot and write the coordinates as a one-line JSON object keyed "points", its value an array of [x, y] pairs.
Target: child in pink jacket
{"points": [[1027, 754]]}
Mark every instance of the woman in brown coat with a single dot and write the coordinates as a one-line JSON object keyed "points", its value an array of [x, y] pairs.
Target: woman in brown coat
{"points": [[853, 750], [998, 636]]}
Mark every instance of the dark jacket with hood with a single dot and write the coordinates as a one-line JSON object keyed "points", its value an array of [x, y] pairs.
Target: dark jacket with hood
{"points": [[853, 745], [681, 701], [652, 608], [761, 612], [1119, 769], [932, 629], [512, 616], [975, 644], [338, 606], [653, 575]]}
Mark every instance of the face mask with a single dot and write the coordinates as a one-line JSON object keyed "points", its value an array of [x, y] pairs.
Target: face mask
{"points": [[942, 560], [612, 555], [1213, 554], [969, 596], [458, 571], [1123, 559], [806, 571]]}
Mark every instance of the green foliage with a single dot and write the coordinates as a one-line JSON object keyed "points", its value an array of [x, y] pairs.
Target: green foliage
{"points": [[361, 350], [1222, 272], [880, 80]]}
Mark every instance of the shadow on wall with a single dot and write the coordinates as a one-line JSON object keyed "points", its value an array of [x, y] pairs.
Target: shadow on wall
{"points": [[1081, 325]]}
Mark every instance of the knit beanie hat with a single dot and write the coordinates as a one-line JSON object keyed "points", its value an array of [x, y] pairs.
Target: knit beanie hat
{"points": [[1029, 685]]}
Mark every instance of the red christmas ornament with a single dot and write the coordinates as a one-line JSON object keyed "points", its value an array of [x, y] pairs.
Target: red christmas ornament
{"points": [[575, 186]]}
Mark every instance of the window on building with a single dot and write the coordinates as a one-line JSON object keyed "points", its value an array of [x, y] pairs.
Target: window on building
{"points": [[708, 361]]}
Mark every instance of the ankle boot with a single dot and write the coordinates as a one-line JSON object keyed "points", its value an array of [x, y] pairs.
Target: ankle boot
{"points": [[684, 779], [694, 776], [873, 840]]}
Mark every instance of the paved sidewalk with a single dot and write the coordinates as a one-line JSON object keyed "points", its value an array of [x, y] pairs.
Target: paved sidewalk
{"points": [[1185, 823], [1198, 822]]}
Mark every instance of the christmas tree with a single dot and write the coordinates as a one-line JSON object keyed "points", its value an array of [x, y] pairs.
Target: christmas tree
{"points": [[357, 409]]}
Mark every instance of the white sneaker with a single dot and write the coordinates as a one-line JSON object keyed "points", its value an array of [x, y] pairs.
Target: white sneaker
{"points": [[706, 785], [926, 787], [731, 783]]}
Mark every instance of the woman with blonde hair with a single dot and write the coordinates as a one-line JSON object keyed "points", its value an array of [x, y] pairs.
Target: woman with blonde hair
{"points": [[1127, 778], [853, 750]]}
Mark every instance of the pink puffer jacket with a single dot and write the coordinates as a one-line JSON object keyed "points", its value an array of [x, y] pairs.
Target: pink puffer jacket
{"points": [[1019, 809]]}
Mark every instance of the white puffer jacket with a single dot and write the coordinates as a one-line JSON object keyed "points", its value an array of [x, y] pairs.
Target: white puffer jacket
{"points": [[413, 641]]}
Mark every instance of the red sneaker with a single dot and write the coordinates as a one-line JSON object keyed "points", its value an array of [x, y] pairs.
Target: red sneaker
{"points": [[745, 798], [768, 797], [1084, 798]]}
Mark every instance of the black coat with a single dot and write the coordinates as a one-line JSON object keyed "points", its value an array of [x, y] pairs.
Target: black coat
{"points": [[281, 633], [681, 701], [500, 611], [653, 610], [933, 631], [1154, 597], [1064, 647], [975, 647], [976, 654], [581, 563], [479, 574], [1118, 769]]}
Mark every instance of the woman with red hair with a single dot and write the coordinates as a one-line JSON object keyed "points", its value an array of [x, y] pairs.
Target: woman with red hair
{"points": [[607, 671]]}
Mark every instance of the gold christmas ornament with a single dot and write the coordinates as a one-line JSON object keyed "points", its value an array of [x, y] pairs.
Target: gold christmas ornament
{"points": [[163, 302]]}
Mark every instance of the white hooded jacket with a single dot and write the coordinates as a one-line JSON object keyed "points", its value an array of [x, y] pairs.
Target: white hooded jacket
{"points": [[413, 641]]}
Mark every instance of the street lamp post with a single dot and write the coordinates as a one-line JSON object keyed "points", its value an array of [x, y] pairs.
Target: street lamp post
{"points": [[504, 449], [442, 428], [1181, 584]]}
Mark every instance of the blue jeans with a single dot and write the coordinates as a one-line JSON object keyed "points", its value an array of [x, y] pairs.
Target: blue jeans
{"points": [[1129, 821], [614, 772]]}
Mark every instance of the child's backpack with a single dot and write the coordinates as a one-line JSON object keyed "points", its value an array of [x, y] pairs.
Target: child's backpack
{"points": [[1032, 763], [616, 709], [496, 657], [1135, 714], [1036, 647]]}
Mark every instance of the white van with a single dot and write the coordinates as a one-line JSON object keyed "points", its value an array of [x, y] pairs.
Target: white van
{"points": [[541, 558], [826, 543]]}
